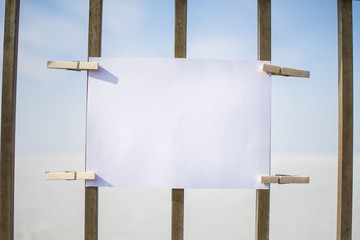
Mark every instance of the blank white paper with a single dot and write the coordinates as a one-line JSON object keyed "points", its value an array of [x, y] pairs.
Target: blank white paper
{"points": [[178, 123]]}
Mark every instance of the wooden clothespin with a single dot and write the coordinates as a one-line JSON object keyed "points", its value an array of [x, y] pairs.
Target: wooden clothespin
{"points": [[70, 175], [283, 71], [284, 179], [76, 66]]}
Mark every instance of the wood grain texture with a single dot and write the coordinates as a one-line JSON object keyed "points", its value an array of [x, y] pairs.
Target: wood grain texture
{"points": [[8, 119], [95, 28], [177, 206], [177, 214], [91, 213], [262, 214], [264, 54], [264, 30], [94, 50], [345, 129], [180, 28]]}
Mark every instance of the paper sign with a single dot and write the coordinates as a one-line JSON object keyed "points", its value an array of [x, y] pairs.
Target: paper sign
{"points": [[178, 123]]}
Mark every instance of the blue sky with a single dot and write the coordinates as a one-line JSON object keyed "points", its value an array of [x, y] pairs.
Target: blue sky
{"points": [[51, 103]]}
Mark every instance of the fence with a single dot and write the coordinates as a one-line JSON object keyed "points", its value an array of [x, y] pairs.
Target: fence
{"points": [[264, 53]]}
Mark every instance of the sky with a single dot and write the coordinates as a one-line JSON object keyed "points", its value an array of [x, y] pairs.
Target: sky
{"points": [[51, 104]]}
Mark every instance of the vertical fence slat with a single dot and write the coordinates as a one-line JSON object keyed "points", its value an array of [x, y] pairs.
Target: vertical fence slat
{"points": [[91, 213], [177, 212], [345, 148], [94, 50], [264, 53], [95, 28], [262, 214], [264, 30], [180, 28], [8, 112]]}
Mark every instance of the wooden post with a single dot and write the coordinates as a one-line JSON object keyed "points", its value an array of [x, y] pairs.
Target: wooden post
{"points": [[180, 28], [262, 214], [264, 30], [177, 213], [94, 50], [8, 110], [264, 53], [345, 141]]}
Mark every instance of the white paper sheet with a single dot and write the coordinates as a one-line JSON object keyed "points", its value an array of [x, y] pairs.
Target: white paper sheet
{"points": [[178, 123]]}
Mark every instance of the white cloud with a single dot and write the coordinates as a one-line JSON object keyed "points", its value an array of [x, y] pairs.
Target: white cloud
{"points": [[128, 30], [48, 36], [49, 32], [121, 16]]}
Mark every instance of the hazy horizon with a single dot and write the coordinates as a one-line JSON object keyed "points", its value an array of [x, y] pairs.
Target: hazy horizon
{"points": [[55, 209]]}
